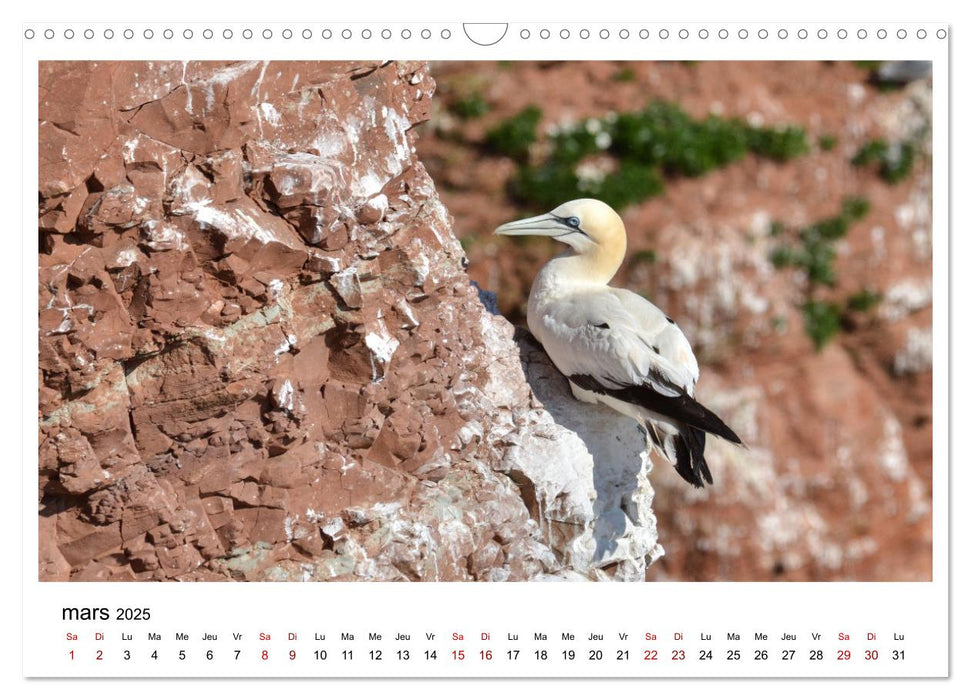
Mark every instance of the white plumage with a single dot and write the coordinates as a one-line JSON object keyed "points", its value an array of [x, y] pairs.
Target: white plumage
{"points": [[615, 346]]}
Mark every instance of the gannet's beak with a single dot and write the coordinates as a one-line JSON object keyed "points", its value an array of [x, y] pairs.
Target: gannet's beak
{"points": [[542, 225]]}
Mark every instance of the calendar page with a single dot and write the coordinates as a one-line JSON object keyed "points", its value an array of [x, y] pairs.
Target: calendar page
{"points": [[580, 348]]}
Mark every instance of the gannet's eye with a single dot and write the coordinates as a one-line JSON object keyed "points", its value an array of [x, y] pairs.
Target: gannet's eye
{"points": [[573, 221]]}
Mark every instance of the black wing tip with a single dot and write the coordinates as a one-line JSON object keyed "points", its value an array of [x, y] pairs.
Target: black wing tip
{"points": [[727, 433], [711, 423]]}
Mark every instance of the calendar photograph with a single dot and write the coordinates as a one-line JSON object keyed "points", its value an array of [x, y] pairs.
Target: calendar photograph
{"points": [[484, 321]]}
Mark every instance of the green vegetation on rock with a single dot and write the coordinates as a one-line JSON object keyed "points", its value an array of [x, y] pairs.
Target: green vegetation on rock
{"points": [[827, 142], [855, 208], [471, 106], [514, 136], [647, 256], [822, 321], [625, 158], [894, 160], [813, 250], [864, 300]]}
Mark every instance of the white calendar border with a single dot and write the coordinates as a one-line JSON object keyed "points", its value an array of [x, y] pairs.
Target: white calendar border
{"points": [[926, 599]]}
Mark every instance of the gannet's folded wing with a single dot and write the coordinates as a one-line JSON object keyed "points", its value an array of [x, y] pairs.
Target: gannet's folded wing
{"points": [[617, 343], [620, 339]]}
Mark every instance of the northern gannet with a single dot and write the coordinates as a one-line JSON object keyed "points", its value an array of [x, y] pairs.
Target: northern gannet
{"points": [[614, 346]]}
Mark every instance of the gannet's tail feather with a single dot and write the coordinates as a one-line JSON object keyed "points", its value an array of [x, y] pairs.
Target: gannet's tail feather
{"points": [[685, 449], [689, 459]]}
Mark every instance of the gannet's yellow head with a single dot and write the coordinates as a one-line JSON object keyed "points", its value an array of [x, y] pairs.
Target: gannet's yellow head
{"points": [[594, 230]]}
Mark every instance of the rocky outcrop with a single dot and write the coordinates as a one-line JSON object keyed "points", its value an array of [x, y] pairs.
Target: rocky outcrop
{"points": [[261, 358]]}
